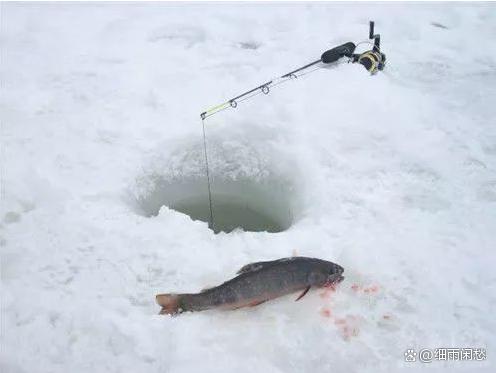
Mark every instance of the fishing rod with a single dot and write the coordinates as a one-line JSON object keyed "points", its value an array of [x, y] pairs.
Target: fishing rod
{"points": [[373, 60]]}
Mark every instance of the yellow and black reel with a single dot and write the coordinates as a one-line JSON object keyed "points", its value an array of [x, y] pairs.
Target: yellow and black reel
{"points": [[372, 60]]}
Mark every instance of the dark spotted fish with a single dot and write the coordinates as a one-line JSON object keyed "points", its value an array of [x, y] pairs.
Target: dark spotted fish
{"points": [[256, 283]]}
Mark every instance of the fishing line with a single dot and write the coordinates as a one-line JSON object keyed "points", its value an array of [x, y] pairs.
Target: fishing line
{"points": [[367, 42], [211, 223]]}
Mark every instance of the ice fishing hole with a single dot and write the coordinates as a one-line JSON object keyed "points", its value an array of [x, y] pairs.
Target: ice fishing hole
{"points": [[251, 188], [236, 204]]}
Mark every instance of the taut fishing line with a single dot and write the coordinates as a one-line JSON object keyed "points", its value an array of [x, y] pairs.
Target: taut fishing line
{"points": [[373, 60]]}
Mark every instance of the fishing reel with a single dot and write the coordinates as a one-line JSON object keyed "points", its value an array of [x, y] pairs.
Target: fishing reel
{"points": [[373, 60]]}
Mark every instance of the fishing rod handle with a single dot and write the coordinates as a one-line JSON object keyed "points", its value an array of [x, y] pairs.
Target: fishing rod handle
{"points": [[334, 54]]}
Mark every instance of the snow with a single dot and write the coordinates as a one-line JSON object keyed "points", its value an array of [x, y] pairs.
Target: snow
{"points": [[394, 177]]}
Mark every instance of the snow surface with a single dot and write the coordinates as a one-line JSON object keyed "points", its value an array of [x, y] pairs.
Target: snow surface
{"points": [[396, 176]]}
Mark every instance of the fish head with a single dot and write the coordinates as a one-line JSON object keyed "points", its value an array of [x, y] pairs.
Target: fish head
{"points": [[325, 274]]}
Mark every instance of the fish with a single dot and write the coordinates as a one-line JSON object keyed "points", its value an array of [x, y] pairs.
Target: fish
{"points": [[257, 283]]}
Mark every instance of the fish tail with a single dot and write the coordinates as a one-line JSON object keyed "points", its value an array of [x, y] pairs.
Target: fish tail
{"points": [[170, 303]]}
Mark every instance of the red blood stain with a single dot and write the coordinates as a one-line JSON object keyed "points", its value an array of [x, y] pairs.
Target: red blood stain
{"points": [[355, 287], [331, 286], [372, 289], [327, 292], [326, 312]]}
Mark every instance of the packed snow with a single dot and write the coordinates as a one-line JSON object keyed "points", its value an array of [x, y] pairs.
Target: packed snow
{"points": [[392, 176]]}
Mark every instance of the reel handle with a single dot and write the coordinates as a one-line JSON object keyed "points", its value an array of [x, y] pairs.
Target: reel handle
{"points": [[376, 37]]}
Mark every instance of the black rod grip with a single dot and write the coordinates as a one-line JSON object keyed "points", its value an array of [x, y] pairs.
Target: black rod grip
{"points": [[371, 29], [334, 54]]}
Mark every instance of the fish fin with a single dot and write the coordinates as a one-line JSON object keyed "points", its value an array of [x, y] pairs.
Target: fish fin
{"points": [[303, 294], [252, 267], [170, 304], [255, 266]]}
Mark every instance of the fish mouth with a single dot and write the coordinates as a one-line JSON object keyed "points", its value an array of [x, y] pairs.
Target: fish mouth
{"points": [[337, 276], [338, 279], [334, 280]]}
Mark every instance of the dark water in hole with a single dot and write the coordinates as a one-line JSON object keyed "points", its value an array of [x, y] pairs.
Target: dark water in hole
{"points": [[249, 205], [229, 216]]}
